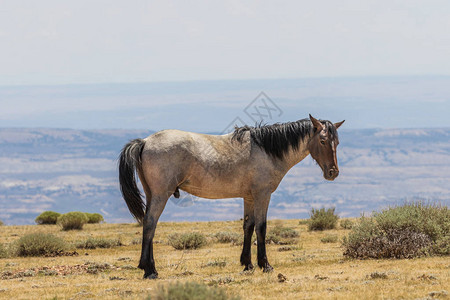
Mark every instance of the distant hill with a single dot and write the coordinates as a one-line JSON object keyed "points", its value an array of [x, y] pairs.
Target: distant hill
{"points": [[67, 170], [209, 106]]}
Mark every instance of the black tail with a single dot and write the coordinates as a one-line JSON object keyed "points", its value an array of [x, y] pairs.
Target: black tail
{"points": [[129, 162]]}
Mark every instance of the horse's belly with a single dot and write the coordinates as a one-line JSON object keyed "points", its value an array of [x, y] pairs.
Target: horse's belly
{"points": [[214, 190]]}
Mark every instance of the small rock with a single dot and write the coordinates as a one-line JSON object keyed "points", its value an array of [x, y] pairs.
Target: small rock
{"points": [[320, 277], [335, 289], [426, 277], [442, 293], [281, 278]]}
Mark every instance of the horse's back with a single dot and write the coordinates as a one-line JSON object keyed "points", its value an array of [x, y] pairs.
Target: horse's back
{"points": [[204, 165]]}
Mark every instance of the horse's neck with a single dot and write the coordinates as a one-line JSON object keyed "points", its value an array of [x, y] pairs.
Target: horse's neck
{"points": [[293, 157]]}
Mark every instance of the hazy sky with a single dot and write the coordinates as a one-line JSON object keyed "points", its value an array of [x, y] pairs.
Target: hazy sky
{"points": [[57, 42]]}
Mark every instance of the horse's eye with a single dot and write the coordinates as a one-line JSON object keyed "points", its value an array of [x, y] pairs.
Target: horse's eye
{"points": [[322, 142]]}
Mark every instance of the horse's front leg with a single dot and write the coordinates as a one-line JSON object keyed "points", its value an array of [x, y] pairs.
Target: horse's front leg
{"points": [[249, 227], [154, 210], [261, 206]]}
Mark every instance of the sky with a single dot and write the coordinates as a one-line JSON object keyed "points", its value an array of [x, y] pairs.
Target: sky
{"points": [[50, 42]]}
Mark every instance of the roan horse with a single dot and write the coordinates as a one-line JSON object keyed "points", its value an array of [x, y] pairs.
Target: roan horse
{"points": [[249, 163]]}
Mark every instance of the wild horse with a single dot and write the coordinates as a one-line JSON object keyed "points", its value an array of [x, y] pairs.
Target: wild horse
{"points": [[249, 163]]}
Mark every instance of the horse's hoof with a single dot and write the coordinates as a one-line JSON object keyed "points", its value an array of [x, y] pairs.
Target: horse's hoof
{"points": [[151, 276], [268, 268], [249, 267]]}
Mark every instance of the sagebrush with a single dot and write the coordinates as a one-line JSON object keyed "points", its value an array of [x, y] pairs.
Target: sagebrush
{"points": [[330, 238], [3, 251], [72, 220], [39, 244], [346, 224], [227, 237], [190, 290], [281, 235], [406, 231], [93, 243], [183, 241], [322, 219], [94, 218], [47, 217]]}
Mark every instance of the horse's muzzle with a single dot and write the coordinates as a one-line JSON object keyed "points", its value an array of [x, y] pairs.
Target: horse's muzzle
{"points": [[331, 174]]}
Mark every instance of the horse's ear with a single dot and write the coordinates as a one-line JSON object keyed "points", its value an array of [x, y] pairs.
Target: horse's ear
{"points": [[338, 124], [316, 123]]}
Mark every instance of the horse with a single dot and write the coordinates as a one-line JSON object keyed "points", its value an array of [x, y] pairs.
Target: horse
{"points": [[248, 163]]}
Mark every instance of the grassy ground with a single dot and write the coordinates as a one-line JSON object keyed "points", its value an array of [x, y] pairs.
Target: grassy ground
{"points": [[313, 269]]}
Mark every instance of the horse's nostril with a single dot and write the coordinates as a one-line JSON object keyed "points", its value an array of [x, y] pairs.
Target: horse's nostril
{"points": [[333, 173]]}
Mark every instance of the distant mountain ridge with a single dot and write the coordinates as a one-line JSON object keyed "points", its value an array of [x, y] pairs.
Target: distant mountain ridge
{"points": [[67, 170]]}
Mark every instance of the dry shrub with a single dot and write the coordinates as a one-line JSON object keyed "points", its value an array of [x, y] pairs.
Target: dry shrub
{"points": [[1, 223], [190, 290], [93, 243], [184, 241], [39, 244], [330, 238], [405, 231], [47, 217], [227, 237], [72, 220], [322, 219], [391, 244]]}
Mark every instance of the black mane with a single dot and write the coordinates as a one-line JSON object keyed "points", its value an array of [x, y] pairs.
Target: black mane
{"points": [[276, 139]]}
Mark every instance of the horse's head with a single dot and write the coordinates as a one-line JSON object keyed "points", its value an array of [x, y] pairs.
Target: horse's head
{"points": [[322, 146]]}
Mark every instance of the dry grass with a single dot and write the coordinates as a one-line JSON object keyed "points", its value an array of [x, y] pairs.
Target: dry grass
{"points": [[310, 269]]}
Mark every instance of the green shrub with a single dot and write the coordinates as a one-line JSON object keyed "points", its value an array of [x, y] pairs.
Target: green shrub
{"points": [[1, 223], [272, 238], [281, 235], [191, 240], [284, 232], [227, 237], [442, 246], [72, 220], [94, 218], [346, 224], [432, 220], [93, 243], [39, 244], [303, 222], [3, 251], [190, 290], [47, 217], [330, 238], [322, 219], [405, 231]]}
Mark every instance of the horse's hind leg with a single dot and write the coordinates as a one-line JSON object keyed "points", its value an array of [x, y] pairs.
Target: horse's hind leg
{"points": [[155, 207], [249, 227]]}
